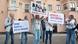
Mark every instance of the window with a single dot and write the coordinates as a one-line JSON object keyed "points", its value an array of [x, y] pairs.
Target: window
{"points": [[65, 6], [12, 5], [58, 7], [44, 10], [13, 1], [73, 9], [57, 0], [27, 7], [72, 5], [49, 7], [39, 2], [20, 5]]}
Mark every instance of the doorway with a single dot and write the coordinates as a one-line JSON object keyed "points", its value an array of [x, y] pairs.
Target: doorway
{"points": [[55, 28]]}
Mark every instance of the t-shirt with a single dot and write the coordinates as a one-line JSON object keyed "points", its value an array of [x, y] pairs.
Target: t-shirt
{"points": [[70, 24], [8, 24], [48, 27], [37, 24]]}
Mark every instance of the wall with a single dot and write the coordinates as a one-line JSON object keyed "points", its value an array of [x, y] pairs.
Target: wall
{"points": [[3, 13]]}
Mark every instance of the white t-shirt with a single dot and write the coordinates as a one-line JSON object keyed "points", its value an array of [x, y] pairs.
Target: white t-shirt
{"points": [[48, 27], [37, 24], [70, 24]]}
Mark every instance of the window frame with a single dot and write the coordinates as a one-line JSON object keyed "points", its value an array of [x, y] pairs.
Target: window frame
{"points": [[27, 7], [49, 7], [65, 6], [72, 5], [57, 0], [58, 7]]}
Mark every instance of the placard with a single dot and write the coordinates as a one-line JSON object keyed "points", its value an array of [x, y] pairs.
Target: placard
{"points": [[37, 9], [56, 18], [20, 26]]}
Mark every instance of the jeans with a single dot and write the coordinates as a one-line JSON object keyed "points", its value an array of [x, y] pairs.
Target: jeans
{"points": [[48, 36], [43, 35], [71, 37], [37, 37], [24, 38], [8, 34]]}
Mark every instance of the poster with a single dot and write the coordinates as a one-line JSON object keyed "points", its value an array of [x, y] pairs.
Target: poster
{"points": [[56, 18], [37, 9], [20, 26]]}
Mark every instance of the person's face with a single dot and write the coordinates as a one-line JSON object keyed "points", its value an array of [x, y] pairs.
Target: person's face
{"points": [[71, 17], [32, 15], [37, 17], [25, 18], [12, 17]]}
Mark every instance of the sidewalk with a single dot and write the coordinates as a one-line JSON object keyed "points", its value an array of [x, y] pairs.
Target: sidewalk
{"points": [[57, 38]]}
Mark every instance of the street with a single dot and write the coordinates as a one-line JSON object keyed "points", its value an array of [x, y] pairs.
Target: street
{"points": [[56, 39]]}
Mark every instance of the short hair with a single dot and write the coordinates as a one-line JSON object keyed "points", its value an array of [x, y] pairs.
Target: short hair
{"points": [[71, 16], [25, 17], [19, 19], [37, 16]]}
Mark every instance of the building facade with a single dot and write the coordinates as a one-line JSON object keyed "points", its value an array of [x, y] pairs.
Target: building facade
{"points": [[21, 8]]}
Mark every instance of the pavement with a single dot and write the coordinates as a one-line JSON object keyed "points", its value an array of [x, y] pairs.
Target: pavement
{"points": [[56, 39]]}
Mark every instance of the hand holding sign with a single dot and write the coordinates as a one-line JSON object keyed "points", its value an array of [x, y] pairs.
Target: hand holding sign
{"points": [[20, 26]]}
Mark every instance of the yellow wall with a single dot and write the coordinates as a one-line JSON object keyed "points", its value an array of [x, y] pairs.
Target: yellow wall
{"points": [[3, 13]]}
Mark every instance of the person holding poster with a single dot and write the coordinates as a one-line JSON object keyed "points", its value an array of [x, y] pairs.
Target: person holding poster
{"points": [[9, 29], [70, 25], [49, 30], [33, 22], [43, 27], [37, 31], [24, 34]]}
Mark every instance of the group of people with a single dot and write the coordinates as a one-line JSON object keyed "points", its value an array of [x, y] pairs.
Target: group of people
{"points": [[41, 29], [40, 25]]}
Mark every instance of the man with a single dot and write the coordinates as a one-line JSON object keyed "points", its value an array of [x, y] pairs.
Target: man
{"points": [[43, 27], [70, 25], [9, 29]]}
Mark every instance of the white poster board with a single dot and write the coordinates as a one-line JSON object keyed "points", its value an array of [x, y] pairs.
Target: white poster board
{"points": [[36, 9], [20, 26], [56, 18]]}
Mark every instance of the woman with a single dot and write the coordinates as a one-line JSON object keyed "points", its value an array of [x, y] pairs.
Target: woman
{"points": [[37, 31], [49, 30], [24, 34], [70, 25]]}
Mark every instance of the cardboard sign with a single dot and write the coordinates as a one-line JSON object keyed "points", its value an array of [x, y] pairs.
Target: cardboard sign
{"points": [[20, 26], [56, 18], [37, 9]]}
